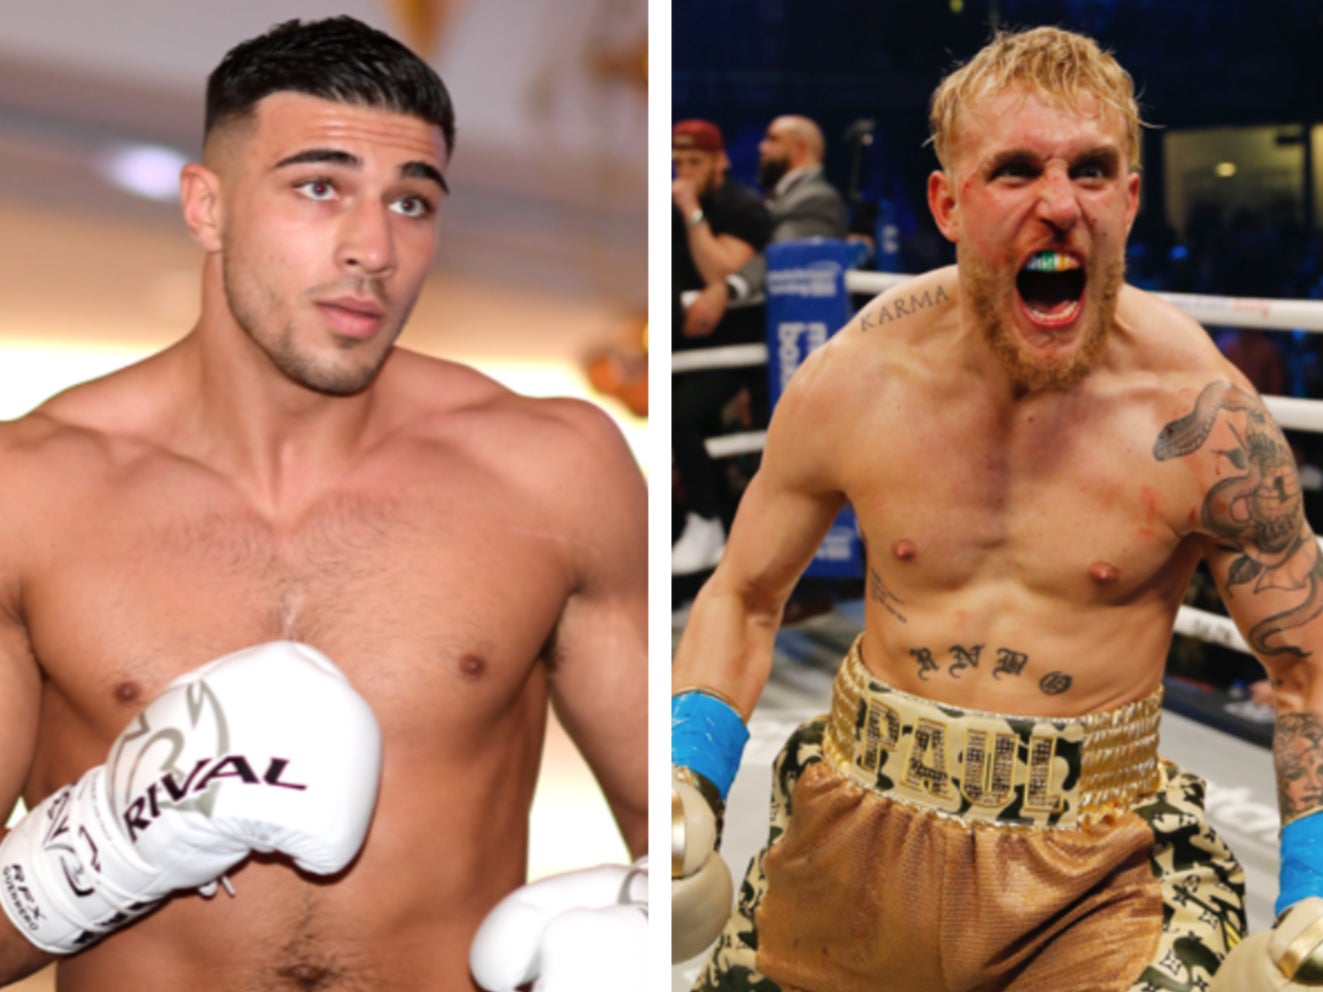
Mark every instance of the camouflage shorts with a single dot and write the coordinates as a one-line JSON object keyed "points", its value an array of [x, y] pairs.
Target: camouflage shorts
{"points": [[1183, 907]]}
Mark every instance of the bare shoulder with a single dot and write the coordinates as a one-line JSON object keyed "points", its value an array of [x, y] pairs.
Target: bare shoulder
{"points": [[76, 429], [892, 336], [1162, 351], [908, 307], [1155, 334], [1197, 408], [547, 442], [899, 327], [53, 460]]}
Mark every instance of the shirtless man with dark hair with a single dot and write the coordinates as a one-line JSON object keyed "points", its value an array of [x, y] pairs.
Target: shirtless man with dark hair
{"points": [[452, 558]]}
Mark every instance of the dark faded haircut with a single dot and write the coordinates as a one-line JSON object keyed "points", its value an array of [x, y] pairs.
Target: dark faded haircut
{"points": [[338, 59]]}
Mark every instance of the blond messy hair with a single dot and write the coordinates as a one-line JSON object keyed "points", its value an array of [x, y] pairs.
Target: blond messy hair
{"points": [[1057, 65]]}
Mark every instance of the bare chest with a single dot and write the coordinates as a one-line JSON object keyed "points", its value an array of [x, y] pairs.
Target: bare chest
{"points": [[1059, 506], [417, 595]]}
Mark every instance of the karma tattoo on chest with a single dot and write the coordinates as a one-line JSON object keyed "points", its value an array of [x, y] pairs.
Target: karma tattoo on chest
{"points": [[959, 659], [901, 306]]}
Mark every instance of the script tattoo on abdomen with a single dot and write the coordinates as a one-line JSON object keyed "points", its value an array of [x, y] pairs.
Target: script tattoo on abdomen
{"points": [[1258, 512], [960, 658]]}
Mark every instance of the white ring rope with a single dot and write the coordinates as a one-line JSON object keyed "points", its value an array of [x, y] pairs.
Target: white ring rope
{"points": [[1295, 413], [1216, 311], [743, 443], [729, 356], [1290, 412], [1219, 311], [1210, 627], [1268, 313]]}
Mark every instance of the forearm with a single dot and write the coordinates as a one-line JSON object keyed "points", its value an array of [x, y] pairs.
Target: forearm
{"points": [[633, 823], [1298, 759], [1298, 734], [727, 644], [18, 956], [713, 259]]}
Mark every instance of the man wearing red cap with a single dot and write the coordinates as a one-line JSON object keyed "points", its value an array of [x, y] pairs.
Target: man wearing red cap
{"points": [[718, 225]]}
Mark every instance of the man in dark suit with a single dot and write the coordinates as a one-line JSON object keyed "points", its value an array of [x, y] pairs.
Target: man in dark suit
{"points": [[802, 203]]}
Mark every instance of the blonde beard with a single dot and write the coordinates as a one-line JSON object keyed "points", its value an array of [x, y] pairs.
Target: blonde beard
{"points": [[1034, 374]]}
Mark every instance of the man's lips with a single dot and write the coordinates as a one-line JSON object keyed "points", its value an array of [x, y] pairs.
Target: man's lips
{"points": [[353, 316], [1060, 316]]}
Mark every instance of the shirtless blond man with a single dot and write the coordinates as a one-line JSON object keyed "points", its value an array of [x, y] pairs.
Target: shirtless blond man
{"points": [[465, 556], [1038, 456]]}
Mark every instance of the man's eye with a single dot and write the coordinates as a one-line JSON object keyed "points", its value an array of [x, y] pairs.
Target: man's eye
{"points": [[413, 206], [316, 189], [1012, 170]]}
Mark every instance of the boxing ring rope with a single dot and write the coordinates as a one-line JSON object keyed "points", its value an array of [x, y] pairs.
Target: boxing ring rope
{"points": [[1264, 313]]}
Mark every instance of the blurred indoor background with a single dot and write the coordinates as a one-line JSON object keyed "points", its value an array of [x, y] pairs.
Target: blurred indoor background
{"points": [[542, 267], [1233, 89]]}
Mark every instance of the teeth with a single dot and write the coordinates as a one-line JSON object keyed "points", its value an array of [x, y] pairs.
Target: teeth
{"points": [[1060, 317], [1052, 261]]}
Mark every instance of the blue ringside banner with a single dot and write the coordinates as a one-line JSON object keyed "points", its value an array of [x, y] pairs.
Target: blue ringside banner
{"points": [[806, 303]]}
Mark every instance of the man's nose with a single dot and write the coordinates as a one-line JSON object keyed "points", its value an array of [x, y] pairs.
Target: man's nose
{"points": [[367, 242], [1057, 202]]}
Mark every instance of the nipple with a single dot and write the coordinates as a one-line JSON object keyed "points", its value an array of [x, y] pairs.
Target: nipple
{"points": [[904, 549], [127, 692], [471, 666], [1103, 572]]}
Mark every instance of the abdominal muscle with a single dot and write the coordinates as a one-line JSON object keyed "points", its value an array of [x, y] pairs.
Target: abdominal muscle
{"points": [[1026, 655]]}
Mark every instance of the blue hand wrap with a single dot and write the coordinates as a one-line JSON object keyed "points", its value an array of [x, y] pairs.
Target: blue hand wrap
{"points": [[1301, 871], [708, 737]]}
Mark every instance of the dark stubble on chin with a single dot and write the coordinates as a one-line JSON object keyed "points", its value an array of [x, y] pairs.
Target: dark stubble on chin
{"points": [[1033, 374], [321, 378], [303, 369]]}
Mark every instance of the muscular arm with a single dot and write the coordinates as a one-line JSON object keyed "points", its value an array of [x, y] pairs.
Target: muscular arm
{"points": [[783, 517], [1267, 565], [20, 702], [599, 679], [716, 255]]}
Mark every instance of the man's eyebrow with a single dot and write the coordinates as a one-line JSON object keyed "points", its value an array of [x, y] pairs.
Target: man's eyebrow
{"points": [[425, 170], [1015, 156], [329, 156], [1107, 156], [334, 156]]}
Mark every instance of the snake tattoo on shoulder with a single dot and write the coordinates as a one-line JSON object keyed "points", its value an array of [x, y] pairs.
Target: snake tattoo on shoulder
{"points": [[1257, 512]]}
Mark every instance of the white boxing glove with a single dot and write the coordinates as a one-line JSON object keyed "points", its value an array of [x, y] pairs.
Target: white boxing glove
{"points": [[701, 888], [1287, 958], [584, 931], [267, 749]]}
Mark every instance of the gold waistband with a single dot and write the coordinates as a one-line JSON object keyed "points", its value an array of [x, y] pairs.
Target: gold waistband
{"points": [[1008, 770]]}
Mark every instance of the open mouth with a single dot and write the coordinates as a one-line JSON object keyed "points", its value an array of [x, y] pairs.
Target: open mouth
{"points": [[1051, 287]]}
